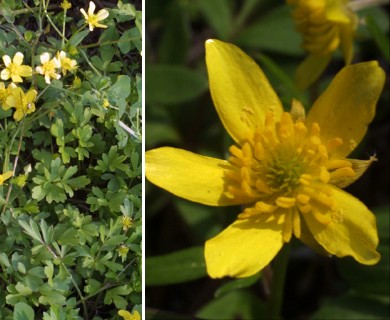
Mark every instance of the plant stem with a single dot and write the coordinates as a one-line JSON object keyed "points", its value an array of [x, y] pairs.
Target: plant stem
{"points": [[275, 299]]}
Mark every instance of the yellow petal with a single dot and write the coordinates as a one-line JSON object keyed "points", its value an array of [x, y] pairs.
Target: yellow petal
{"points": [[307, 238], [347, 106], [310, 70], [102, 14], [7, 60], [91, 8], [336, 11], [5, 74], [243, 248], [25, 71], [18, 58], [352, 230], [189, 175], [241, 92]]}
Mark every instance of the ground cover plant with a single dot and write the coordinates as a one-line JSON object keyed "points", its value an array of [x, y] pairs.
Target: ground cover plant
{"points": [[203, 98], [70, 155]]}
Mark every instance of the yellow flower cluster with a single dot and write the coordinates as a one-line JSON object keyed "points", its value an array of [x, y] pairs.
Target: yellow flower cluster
{"points": [[13, 96]]}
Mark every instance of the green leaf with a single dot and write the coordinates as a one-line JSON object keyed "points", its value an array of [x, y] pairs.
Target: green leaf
{"points": [[219, 16], [237, 284], [152, 314], [31, 229], [279, 24], [23, 311], [77, 38], [354, 306], [175, 38], [239, 304], [177, 267], [173, 84], [381, 39]]}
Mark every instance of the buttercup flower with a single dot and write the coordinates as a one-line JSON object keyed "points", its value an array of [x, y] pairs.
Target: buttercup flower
{"points": [[128, 316], [24, 103], [127, 222], [286, 169], [66, 63], [48, 67], [66, 5], [123, 250], [93, 19], [15, 69], [326, 25], [5, 176]]}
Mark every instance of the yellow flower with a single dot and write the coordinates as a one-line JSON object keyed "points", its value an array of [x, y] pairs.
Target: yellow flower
{"points": [[93, 19], [123, 250], [326, 25], [127, 222], [5, 93], [66, 5], [23, 103], [128, 316], [67, 64], [5, 176], [48, 67], [14, 69], [285, 169]]}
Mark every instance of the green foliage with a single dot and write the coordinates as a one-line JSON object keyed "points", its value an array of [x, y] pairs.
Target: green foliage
{"points": [[76, 161]]}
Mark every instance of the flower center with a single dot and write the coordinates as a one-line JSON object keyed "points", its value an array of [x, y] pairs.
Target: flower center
{"points": [[283, 172], [93, 19], [14, 68], [279, 171]]}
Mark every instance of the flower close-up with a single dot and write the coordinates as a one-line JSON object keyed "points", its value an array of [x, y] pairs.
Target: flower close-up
{"points": [[24, 103], [49, 67], [286, 169], [325, 25], [14, 69], [93, 19]]}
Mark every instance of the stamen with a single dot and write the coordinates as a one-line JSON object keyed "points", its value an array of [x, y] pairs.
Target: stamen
{"points": [[340, 173], [319, 196], [335, 164], [305, 179], [324, 175], [265, 207], [263, 187], [296, 224], [288, 227], [320, 217], [303, 198], [285, 202]]}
